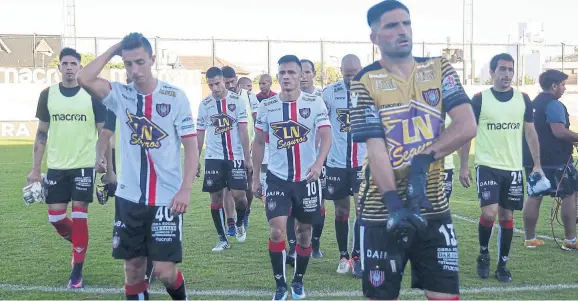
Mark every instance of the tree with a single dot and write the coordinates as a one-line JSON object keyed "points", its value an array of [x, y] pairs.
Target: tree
{"points": [[86, 58], [329, 73]]}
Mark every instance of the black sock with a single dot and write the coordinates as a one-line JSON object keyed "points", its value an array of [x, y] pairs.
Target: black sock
{"points": [[278, 262], [356, 238], [218, 213], [241, 211], [230, 221], [506, 234], [76, 273], [291, 236], [136, 291], [342, 235], [301, 262], [484, 234], [179, 293], [316, 235], [249, 202]]}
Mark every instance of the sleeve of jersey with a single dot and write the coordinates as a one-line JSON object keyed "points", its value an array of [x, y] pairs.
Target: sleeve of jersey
{"points": [[453, 93], [261, 122], [111, 101], [110, 123], [365, 122], [42, 109], [529, 113], [241, 111], [184, 122], [201, 123], [477, 106], [327, 96], [99, 110], [555, 112], [322, 118]]}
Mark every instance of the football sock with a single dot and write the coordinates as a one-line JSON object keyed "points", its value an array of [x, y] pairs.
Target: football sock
{"points": [[241, 211], [301, 262], [342, 234], [177, 291], [230, 221], [136, 291], [291, 236], [277, 254], [356, 238], [79, 233], [317, 231], [61, 223], [218, 213], [484, 234], [506, 234]]}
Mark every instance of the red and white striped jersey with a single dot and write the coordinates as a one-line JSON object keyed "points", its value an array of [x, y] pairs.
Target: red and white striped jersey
{"points": [[220, 119], [344, 152], [151, 127], [291, 128]]}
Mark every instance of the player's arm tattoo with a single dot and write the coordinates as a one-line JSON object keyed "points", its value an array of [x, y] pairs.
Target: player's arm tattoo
{"points": [[533, 143], [40, 144]]}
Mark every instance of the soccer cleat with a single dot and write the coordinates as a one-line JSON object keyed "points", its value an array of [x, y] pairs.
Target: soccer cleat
{"points": [[533, 243], [75, 284], [246, 221], [355, 265], [343, 266], [280, 293], [316, 254], [221, 245], [241, 234], [503, 274], [484, 265], [297, 290], [232, 231], [569, 245]]}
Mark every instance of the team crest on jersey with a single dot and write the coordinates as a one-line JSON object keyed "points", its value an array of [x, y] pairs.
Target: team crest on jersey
{"points": [[271, 205], [222, 123], [431, 96], [289, 133], [305, 112], [409, 130], [343, 117], [163, 109], [486, 195], [115, 241], [145, 133], [232, 107], [376, 277]]}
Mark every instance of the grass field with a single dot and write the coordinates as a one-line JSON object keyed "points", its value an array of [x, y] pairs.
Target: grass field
{"points": [[35, 261]]}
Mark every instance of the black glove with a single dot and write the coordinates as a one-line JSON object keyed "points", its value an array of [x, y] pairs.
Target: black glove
{"points": [[402, 223], [417, 182]]}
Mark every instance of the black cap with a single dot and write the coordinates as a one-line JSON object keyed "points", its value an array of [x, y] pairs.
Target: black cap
{"points": [[376, 11]]}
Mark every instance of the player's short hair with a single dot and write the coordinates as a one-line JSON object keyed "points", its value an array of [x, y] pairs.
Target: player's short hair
{"points": [[304, 61], [214, 72], [245, 78], [67, 51], [290, 58], [375, 12], [136, 40], [228, 72], [500, 57], [550, 77]]}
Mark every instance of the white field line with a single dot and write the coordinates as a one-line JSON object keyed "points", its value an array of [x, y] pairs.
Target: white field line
{"points": [[263, 293], [517, 230]]}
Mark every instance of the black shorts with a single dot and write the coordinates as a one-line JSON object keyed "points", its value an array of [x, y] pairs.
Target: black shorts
{"points": [[341, 182], [70, 184], [448, 183], [503, 187], [146, 231], [563, 180], [433, 258], [299, 199], [220, 174]]}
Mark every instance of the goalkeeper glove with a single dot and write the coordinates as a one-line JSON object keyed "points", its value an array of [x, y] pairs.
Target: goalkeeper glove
{"points": [[402, 222]]}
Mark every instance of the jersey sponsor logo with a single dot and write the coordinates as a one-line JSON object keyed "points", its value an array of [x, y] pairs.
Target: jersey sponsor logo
{"points": [[338, 88], [289, 133], [305, 112], [69, 117], [187, 123], [409, 130], [375, 254], [503, 126], [432, 96], [449, 85], [425, 75], [163, 109], [222, 123], [307, 98], [131, 99], [343, 118], [145, 133], [168, 93], [382, 75], [385, 85]]}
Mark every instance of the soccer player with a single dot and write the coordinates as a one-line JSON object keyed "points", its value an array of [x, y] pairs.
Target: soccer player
{"points": [[66, 110], [265, 82], [344, 163], [307, 78], [556, 140], [400, 105], [153, 189], [504, 116], [290, 121], [222, 119], [247, 84], [449, 167], [251, 105]]}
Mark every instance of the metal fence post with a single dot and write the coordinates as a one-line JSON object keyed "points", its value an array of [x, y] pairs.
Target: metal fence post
{"points": [[213, 50], [322, 64], [423, 49], [563, 46], [157, 53], [95, 46], [518, 65], [268, 56]]}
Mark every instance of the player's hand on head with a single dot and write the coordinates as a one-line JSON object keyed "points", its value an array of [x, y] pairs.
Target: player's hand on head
{"points": [[314, 173], [180, 202], [466, 177], [33, 177]]}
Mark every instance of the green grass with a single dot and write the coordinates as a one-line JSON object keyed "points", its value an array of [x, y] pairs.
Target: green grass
{"points": [[34, 255]]}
